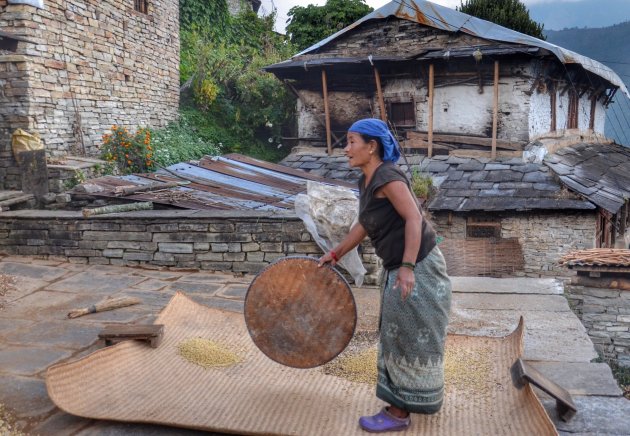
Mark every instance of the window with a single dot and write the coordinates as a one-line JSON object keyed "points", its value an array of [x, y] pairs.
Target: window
{"points": [[482, 229], [402, 114], [141, 6]]}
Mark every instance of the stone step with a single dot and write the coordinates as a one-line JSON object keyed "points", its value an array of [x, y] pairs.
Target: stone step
{"points": [[580, 378], [537, 302], [517, 285], [595, 415]]}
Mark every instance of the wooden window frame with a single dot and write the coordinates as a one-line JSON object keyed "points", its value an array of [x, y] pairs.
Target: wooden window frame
{"points": [[141, 6], [411, 123], [574, 108]]}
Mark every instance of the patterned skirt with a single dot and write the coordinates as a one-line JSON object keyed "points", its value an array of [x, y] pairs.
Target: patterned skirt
{"points": [[412, 336]]}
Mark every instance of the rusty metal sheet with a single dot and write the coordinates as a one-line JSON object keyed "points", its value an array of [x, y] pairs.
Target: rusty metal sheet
{"points": [[298, 314]]}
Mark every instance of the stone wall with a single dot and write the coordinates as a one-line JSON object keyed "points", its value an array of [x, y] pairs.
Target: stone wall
{"points": [[606, 315], [543, 237], [92, 65], [225, 241]]}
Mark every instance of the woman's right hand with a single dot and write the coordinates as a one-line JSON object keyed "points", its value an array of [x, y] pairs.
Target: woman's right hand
{"points": [[327, 258]]}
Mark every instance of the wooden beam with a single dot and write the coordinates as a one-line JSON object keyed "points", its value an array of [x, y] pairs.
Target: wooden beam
{"points": [[379, 93], [463, 139], [482, 153], [495, 111], [326, 112], [431, 96]]}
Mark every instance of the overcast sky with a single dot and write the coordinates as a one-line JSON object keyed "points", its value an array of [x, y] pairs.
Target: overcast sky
{"points": [[283, 6]]}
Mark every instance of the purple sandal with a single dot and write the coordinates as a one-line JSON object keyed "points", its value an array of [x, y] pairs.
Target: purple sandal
{"points": [[383, 421]]}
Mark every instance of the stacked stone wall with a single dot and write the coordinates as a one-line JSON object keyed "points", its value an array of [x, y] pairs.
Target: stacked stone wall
{"points": [[234, 241], [606, 315], [90, 65]]}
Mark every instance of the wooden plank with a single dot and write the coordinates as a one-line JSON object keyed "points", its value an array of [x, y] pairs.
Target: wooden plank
{"points": [[152, 333], [495, 110], [552, 96], [464, 139], [523, 372], [326, 112], [431, 96], [481, 153], [379, 93], [419, 143]]}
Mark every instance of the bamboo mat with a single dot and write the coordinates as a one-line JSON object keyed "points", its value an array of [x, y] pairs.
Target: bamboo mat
{"points": [[132, 382]]}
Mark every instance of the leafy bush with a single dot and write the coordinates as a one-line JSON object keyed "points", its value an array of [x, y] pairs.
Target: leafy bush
{"points": [[130, 152], [421, 184]]}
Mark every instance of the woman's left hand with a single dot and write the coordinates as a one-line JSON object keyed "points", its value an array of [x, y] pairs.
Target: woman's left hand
{"points": [[405, 282]]}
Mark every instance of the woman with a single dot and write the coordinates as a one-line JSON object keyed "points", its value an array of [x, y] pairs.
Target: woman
{"points": [[416, 294]]}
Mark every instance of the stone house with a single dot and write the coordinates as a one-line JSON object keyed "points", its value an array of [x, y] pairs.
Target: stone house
{"points": [[86, 65], [508, 126]]}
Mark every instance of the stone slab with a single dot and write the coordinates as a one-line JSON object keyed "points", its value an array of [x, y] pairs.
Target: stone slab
{"points": [[218, 303], [151, 285], [152, 301], [61, 423], [537, 302], [516, 285], [31, 271], [31, 261], [234, 290], [595, 415], [194, 287], [25, 396], [41, 305], [549, 336], [8, 325], [68, 334], [19, 360], [219, 277], [95, 282], [580, 378], [24, 286]]}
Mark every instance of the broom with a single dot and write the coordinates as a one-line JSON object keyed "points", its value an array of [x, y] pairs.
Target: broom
{"points": [[102, 306]]}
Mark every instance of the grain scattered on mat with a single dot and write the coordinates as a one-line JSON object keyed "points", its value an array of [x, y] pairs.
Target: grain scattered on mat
{"points": [[359, 367], [207, 353], [7, 284], [7, 426], [467, 369]]}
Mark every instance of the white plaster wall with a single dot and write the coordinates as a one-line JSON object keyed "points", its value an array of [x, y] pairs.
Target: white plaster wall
{"points": [[584, 112], [539, 114], [600, 118], [562, 111], [308, 126]]}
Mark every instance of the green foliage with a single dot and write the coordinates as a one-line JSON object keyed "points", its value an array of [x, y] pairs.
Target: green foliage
{"points": [[421, 184], [508, 13], [211, 15], [181, 141], [130, 152], [311, 24], [243, 107]]}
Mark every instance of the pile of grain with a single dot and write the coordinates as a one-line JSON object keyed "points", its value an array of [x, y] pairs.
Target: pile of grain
{"points": [[207, 353], [467, 369], [6, 426], [359, 367]]}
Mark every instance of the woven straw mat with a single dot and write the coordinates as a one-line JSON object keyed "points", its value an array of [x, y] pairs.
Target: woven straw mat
{"points": [[133, 382]]}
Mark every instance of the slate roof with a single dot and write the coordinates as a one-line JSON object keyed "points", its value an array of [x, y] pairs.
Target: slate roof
{"points": [[467, 184], [599, 172]]}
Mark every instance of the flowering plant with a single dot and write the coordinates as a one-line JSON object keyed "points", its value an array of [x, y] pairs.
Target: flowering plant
{"points": [[131, 153]]}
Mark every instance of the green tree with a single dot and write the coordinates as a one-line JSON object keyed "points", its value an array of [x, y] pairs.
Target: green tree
{"points": [[310, 24], [508, 13]]}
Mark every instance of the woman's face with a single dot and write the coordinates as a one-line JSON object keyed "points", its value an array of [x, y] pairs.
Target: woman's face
{"points": [[357, 150]]}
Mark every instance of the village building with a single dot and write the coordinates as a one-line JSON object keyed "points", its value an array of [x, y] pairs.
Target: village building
{"points": [[85, 67], [509, 127]]}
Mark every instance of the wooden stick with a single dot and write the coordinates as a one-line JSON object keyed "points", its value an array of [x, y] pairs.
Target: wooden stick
{"points": [[326, 112], [495, 111], [430, 127], [126, 190], [146, 205], [104, 305], [379, 93]]}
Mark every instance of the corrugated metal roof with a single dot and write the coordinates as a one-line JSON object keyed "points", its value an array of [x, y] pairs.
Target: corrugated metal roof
{"points": [[441, 17], [228, 182]]}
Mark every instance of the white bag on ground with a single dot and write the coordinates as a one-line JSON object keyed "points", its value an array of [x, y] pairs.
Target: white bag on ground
{"points": [[328, 212]]}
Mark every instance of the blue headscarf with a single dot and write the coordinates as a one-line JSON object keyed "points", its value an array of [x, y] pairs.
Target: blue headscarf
{"points": [[378, 128]]}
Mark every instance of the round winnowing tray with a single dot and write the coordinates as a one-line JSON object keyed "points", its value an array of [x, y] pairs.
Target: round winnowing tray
{"points": [[299, 314]]}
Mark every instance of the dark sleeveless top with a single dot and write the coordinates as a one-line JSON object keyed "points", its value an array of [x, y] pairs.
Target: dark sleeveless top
{"points": [[383, 224]]}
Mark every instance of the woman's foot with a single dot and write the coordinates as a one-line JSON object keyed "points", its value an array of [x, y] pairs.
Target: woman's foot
{"points": [[385, 420]]}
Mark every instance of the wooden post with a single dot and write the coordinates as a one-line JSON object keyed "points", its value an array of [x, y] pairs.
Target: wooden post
{"points": [[326, 112], [495, 112], [430, 127], [379, 93]]}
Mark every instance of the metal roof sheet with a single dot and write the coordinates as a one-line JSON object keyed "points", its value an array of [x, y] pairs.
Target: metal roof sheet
{"points": [[450, 20], [229, 182]]}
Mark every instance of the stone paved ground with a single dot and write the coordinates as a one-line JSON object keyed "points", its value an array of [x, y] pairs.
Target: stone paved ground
{"points": [[35, 333]]}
